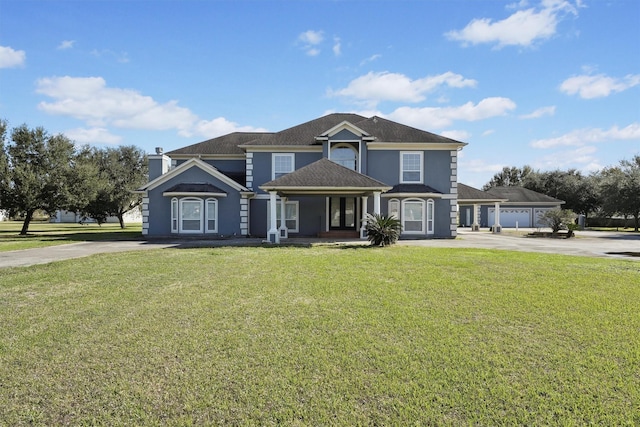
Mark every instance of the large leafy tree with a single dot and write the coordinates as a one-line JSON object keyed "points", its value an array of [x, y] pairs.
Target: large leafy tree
{"points": [[509, 177], [40, 173], [620, 190], [120, 171]]}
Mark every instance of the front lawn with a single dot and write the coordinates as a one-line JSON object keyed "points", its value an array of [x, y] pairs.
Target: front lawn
{"points": [[43, 234], [321, 336]]}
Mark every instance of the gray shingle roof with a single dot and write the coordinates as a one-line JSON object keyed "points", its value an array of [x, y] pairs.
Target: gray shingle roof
{"points": [[413, 188], [325, 173], [226, 144], [467, 193], [305, 133], [195, 187], [522, 195], [388, 131]]}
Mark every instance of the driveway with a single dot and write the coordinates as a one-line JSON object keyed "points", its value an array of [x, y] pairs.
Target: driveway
{"points": [[587, 243]]}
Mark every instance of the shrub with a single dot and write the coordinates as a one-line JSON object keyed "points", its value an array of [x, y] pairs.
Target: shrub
{"points": [[557, 219], [383, 230]]}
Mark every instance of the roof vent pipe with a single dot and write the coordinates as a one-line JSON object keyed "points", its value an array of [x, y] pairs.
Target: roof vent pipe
{"points": [[159, 150]]}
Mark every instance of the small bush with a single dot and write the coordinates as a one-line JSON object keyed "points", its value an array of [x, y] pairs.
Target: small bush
{"points": [[558, 219], [383, 230]]}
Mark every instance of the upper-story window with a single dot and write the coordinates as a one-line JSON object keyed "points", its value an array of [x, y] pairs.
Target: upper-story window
{"points": [[282, 164], [411, 167], [345, 155]]}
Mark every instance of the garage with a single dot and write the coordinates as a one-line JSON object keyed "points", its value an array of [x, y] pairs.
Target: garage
{"points": [[510, 216]]}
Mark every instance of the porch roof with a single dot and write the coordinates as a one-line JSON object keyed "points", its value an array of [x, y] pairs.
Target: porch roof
{"points": [[324, 177], [468, 194]]}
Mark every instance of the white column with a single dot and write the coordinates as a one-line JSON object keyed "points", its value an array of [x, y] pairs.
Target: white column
{"points": [[273, 236], [376, 202], [496, 219], [475, 226], [363, 231], [284, 232]]}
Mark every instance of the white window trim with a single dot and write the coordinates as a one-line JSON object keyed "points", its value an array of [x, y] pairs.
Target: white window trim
{"points": [[175, 215], [389, 208], [430, 215], [352, 148], [419, 181], [181, 219], [273, 162], [424, 216], [278, 224], [207, 204]]}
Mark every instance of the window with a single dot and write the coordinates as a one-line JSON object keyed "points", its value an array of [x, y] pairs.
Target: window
{"points": [[411, 167], [345, 155], [430, 216], [290, 215], [282, 164], [394, 208], [193, 215], [174, 215], [212, 216], [413, 216]]}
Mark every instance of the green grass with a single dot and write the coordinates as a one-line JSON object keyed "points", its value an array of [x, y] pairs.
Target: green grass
{"points": [[321, 336], [43, 234]]}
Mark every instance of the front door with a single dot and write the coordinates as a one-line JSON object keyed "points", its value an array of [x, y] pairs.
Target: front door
{"points": [[342, 212]]}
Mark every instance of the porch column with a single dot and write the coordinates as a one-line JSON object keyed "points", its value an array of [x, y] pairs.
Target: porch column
{"points": [[496, 219], [284, 232], [475, 226], [376, 202], [363, 231], [272, 235]]}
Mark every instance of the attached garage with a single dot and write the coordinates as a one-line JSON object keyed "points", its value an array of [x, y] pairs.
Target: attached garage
{"points": [[512, 217]]}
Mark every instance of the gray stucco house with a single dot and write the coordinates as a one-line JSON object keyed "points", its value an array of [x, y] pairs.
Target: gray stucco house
{"points": [[319, 178]]}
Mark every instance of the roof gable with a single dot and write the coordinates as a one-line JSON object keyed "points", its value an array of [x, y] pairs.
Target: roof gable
{"points": [[188, 165], [325, 173]]}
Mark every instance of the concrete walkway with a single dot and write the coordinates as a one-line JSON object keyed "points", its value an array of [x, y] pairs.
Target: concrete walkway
{"points": [[587, 243]]}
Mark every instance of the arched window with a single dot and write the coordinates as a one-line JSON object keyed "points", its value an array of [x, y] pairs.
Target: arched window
{"points": [[345, 155], [211, 215], [413, 216], [430, 216], [394, 208]]}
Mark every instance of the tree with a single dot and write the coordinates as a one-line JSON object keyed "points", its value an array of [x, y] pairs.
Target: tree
{"points": [[40, 173], [4, 167], [509, 177], [620, 190], [120, 171]]}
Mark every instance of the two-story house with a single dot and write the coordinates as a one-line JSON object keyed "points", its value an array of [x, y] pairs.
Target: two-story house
{"points": [[320, 178]]}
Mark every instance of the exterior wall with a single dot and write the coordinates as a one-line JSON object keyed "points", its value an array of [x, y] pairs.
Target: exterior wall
{"points": [[158, 165], [159, 206], [261, 164], [311, 220]]}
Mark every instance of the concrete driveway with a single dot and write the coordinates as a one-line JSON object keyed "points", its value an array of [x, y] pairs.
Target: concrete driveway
{"points": [[586, 243]]}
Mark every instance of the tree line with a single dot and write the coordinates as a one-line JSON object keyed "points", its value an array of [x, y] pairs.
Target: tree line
{"points": [[612, 191], [40, 171]]}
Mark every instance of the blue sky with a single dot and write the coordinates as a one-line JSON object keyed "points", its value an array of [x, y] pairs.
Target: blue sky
{"points": [[552, 83]]}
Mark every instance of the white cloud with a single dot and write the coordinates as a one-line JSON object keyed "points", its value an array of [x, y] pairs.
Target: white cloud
{"points": [[384, 86], [310, 41], [10, 58], [93, 136], [90, 99], [582, 158], [66, 44], [371, 59], [479, 165], [220, 126], [598, 86], [488, 132], [583, 137], [122, 57], [540, 112], [440, 117], [522, 28], [337, 46], [458, 135]]}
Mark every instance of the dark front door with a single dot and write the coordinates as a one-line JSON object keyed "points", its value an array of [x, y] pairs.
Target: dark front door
{"points": [[342, 211]]}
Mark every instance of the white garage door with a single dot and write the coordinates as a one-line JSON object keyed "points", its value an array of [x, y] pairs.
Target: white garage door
{"points": [[508, 217]]}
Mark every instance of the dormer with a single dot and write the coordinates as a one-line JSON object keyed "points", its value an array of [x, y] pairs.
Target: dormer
{"points": [[343, 144]]}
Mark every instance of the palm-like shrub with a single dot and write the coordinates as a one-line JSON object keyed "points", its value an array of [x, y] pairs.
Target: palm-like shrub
{"points": [[383, 230]]}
